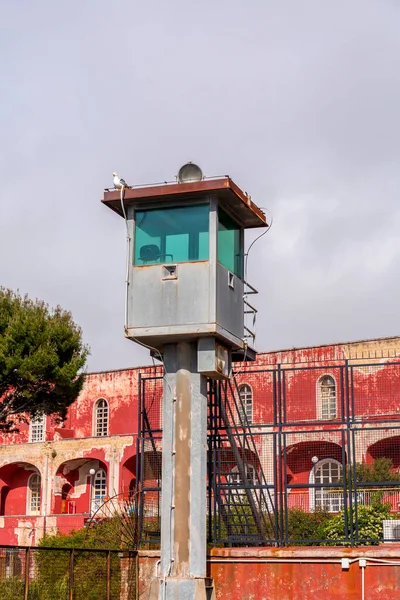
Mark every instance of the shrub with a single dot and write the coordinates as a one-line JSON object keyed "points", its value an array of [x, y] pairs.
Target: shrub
{"points": [[369, 525], [89, 567], [12, 588], [307, 527]]}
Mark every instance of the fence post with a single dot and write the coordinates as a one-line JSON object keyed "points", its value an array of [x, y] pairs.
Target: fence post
{"points": [[354, 520], [27, 560], [137, 575], [348, 399], [71, 574], [346, 485], [280, 455], [108, 563]]}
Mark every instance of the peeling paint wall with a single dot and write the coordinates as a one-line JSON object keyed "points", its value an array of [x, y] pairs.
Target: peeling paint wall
{"points": [[71, 449]]}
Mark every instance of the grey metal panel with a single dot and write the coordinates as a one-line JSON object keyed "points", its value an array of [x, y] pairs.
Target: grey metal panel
{"points": [[229, 302], [155, 301], [213, 358], [206, 355], [159, 336], [213, 257], [195, 302], [173, 331]]}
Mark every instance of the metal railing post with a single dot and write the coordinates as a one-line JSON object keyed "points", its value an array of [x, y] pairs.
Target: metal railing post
{"points": [[108, 567], [137, 576], [27, 561], [279, 456], [71, 574]]}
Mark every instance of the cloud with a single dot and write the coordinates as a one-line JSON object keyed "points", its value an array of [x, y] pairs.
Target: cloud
{"points": [[297, 101]]}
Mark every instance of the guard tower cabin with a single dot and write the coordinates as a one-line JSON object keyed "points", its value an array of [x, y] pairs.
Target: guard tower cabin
{"points": [[186, 267], [186, 299]]}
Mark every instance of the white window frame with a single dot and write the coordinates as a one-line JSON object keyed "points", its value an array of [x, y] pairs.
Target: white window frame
{"points": [[37, 429], [34, 496], [101, 418], [246, 396], [326, 498], [327, 408], [99, 491], [233, 479]]}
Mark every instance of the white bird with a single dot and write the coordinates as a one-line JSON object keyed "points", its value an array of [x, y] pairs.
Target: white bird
{"points": [[119, 183]]}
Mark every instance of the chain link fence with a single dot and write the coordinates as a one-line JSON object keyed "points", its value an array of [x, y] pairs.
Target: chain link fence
{"points": [[67, 574]]}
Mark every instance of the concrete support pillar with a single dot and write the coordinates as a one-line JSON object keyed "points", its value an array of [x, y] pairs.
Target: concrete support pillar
{"points": [[184, 473]]}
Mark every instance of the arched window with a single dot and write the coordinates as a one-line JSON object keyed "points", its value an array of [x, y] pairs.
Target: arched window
{"points": [[34, 494], [101, 418], [37, 429], [246, 406], [99, 489], [326, 471], [326, 398]]}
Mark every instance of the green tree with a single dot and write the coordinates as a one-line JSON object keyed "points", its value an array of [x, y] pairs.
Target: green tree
{"points": [[380, 471], [42, 358]]}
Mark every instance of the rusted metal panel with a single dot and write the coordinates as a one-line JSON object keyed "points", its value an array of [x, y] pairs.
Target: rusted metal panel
{"points": [[294, 573]]}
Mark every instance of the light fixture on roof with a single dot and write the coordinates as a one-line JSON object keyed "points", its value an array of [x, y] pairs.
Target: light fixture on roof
{"points": [[189, 173]]}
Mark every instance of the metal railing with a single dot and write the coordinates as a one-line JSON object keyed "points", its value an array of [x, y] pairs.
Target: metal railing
{"points": [[334, 502], [250, 315], [292, 476]]}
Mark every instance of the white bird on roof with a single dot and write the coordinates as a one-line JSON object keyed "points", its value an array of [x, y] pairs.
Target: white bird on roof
{"points": [[119, 183]]}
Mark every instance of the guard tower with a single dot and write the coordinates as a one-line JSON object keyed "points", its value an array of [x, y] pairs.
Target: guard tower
{"points": [[186, 301]]}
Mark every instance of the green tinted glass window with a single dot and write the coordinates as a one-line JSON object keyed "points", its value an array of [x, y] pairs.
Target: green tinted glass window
{"points": [[164, 235], [230, 244]]}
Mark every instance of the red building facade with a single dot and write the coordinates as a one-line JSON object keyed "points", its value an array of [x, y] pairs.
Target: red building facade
{"points": [[54, 477]]}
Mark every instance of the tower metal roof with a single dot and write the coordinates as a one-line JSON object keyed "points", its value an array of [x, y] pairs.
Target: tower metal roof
{"points": [[237, 202]]}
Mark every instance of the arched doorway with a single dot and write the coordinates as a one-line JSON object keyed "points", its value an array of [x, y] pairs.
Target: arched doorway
{"points": [[3, 499], [65, 495], [74, 486], [21, 492]]}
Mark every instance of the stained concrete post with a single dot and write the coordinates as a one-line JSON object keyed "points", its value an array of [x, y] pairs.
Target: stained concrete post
{"points": [[184, 472]]}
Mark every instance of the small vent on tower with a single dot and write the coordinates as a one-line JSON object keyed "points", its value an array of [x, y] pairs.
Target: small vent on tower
{"points": [[169, 272]]}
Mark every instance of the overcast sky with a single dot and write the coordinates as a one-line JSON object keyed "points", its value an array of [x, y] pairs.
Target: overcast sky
{"points": [[297, 100]]}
